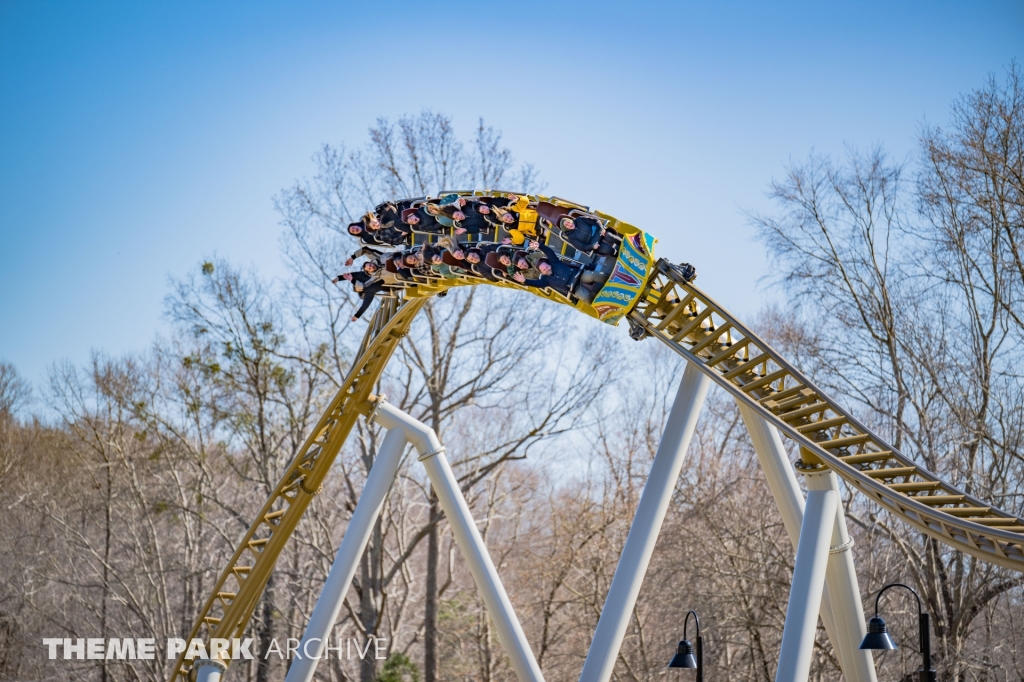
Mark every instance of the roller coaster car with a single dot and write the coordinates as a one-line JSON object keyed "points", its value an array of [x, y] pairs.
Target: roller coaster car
{"points": [[608, 300], [634, 266]]}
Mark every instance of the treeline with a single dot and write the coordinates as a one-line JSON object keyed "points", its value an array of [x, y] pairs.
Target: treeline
{"points": [[902, 284]]}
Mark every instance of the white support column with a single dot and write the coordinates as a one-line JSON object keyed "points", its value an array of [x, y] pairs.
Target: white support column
{"points": [[209, 670], [643, 534], [467, 536], [808, 586], [842, 587], [339, 579], [841, 609]]}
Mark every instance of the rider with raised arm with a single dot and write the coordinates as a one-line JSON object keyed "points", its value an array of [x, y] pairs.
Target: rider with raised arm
{"points": [[522, 267], [366, 283], [553, 272], [371, 252]]}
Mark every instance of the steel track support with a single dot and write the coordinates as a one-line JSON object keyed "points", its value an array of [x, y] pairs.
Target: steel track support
{"points": [[842, 587], [403, 428], [357, 535], [841, 610], [467, 536], [209, 670], [643, 533], [808, 586]]}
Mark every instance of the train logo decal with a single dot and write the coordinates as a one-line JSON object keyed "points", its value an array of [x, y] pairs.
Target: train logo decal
{"points": [[626, 282], [642, 242], [622, 276]]}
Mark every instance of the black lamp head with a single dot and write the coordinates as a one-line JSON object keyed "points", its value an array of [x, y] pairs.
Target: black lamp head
{"points": [[684, 657], [878, 636]]}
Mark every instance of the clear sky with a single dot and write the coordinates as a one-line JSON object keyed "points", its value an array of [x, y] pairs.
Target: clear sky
{"points": [[138, 138]]}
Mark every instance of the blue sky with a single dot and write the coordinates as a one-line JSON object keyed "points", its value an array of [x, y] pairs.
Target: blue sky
{"points": [[138, 138]]}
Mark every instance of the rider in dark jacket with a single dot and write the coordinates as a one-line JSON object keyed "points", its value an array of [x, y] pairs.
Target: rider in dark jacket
{"points": [[421, 221], [477, 220], [584, 234], [392, 230], [366, 283], [554, 273], [390, 212]]}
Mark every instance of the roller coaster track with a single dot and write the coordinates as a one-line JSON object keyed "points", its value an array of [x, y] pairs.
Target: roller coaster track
{"points": [[690, 323], [704, 333], [237, 591]]}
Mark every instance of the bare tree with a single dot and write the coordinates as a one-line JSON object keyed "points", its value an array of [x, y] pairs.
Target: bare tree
{"points": [[455, 360], [920, 323], [269, 393], [15, 393]]}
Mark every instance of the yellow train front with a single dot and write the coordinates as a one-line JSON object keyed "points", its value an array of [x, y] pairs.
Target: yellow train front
{"points": [[634, 266], [623, 275]]}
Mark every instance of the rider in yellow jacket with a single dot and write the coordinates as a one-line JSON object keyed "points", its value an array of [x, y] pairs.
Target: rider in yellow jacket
{"points": [[526, 225]]}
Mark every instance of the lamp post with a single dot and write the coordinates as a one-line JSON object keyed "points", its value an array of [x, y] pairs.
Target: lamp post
{"points": [[684, 657], [878, 635]]}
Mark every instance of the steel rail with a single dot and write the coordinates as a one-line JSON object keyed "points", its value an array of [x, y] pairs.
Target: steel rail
{"points": [[238, 589], [707, 335]]}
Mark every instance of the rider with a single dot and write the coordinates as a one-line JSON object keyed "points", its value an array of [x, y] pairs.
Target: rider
{"points": [[518, 219], [381, 236], [448, 215], [554, 273], [477, 219], [420, 220], [476, 257], [366, 283], [585, 234], [523, 267]]}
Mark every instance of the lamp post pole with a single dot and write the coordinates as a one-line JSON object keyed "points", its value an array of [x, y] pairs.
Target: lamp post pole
{"points": [[684, 650], [878, 634]]}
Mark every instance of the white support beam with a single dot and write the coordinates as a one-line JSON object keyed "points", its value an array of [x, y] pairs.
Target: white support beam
{"points": [[841, 611], [643, 533], [468, 538], [808, 586], [357, 535], [843, 588]]}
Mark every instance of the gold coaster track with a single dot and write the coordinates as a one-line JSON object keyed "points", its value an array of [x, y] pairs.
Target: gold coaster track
{"points": [[688, 321], [237, 591]]}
